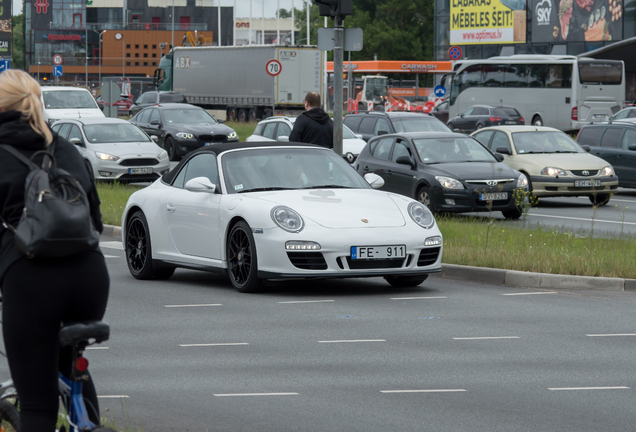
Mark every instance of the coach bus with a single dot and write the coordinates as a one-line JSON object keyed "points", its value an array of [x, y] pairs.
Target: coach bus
{"points": [[564, 92]]}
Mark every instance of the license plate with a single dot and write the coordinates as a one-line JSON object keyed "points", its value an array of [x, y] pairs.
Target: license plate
{"points": [[600, 116], [511, 122], [493, 196], [207, 144], [587, 183], [139, 170], [378, 252]]}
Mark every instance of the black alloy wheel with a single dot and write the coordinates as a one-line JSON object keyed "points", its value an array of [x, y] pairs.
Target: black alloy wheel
{"points": [[139, 251], [171, 149], [242, 262]]}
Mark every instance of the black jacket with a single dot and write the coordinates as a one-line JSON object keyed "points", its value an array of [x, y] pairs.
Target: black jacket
{"points": [[313, 127], [13, 175]]}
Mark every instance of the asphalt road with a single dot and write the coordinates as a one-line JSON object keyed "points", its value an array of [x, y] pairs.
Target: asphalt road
{"points": [[192, 354]]}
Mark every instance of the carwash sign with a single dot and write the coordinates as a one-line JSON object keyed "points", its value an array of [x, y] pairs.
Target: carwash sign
{"points": [[487, 22]]}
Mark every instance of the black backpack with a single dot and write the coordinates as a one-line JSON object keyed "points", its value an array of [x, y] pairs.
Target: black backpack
{"points": [[56, 220]]}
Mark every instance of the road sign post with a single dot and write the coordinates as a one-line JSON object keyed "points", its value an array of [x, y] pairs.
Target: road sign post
{"points": [[58, 71], [273, 68], [439, 91], [57, 59]]}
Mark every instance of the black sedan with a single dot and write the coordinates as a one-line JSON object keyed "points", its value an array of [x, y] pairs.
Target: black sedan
{"points": [[480, 116], [181, 128], [447, 172]]}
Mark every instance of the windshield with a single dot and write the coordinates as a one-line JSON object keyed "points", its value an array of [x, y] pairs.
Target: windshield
{"points": [[505, 112], [183, 116], [544, 142], [601, 72], [64, 99], [114, 133], [451, 150], [287, 168], [171, 98], [422, 124], [376, 87]]}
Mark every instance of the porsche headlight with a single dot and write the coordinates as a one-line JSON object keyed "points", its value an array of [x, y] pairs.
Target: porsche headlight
{"points": [[607, 171], [163, 155], [105, 156], [232, 135], [553, 172], [421, 215], [522, 182], [184, 135], [449, 183], [287, 219]]}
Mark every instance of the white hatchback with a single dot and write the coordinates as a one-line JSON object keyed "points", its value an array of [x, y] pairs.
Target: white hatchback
{"points": [[63, 103]]}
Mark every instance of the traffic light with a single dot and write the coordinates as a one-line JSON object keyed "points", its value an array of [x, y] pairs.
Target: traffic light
{"points": [[333, 8]]}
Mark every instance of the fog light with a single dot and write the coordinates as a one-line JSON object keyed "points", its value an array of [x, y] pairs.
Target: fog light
{"points": [[450, 201], [302, 245], [105, 173], [433, 241]]}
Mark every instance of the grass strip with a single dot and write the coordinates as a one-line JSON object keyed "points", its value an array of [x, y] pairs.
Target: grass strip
{"points": [[114, 197]]}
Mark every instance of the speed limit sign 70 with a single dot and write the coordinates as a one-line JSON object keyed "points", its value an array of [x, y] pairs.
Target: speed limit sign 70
{"points": [[273, 67]]}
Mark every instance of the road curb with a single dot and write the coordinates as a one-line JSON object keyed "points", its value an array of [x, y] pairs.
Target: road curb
{"points": [[512, 278]]}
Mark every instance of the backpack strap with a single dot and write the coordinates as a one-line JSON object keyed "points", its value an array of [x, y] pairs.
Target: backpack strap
{"points": [[19, 156]]}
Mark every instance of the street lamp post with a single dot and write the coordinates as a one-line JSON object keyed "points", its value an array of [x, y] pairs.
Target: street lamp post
{"points": [[101, 56], [86, 64], [38, 71], [172, 46]]}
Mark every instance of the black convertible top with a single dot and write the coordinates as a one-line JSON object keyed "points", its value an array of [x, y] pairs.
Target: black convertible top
{"points": [[222, 147]]}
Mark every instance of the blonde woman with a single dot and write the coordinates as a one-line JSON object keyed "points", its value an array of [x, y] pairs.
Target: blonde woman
{"points": [[41, 293]]}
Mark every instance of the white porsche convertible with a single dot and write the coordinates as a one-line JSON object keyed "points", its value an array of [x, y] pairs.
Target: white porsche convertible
{"points": [[266, 211]]}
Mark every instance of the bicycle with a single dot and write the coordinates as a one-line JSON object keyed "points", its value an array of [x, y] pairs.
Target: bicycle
{"points": [[77, 335]]}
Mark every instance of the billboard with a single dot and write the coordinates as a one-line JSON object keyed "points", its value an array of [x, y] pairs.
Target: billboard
{"points": [[577, 20], [5, 28], [487, 22]]}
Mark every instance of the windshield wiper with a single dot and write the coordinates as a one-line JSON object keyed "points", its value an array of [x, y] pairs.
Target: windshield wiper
{"points": [[262, 189], [565, 151], [328, 186]]}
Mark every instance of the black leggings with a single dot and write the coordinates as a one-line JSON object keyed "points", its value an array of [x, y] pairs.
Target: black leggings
{"points": [[39, 295]]}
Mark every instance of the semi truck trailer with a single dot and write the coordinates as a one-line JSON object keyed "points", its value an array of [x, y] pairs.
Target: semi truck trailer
{"points": [[239, 81]]}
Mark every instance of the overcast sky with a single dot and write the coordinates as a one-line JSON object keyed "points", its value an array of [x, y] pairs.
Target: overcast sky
{"points": [[242, 7]]}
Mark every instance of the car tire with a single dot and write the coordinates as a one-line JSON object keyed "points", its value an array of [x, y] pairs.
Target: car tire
{"points": [[423, 195], [512, 214], [479, 126], [139, 250], [405, 281], [600, 200], [242, 260], [242, 115], [451, 126], [171, 149], [252, 116], [537, 121]]}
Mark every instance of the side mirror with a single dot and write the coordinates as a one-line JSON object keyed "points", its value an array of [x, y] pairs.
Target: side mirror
{"points": [[220, 121], [155, 123], [359, 136], [499, 157], [461, 115], [76, 141], [200, 184], [283, 138], [155, 138], [503, 150], [383, 132], [631, 147], [587, 148], [405, 160], [374, 180]]}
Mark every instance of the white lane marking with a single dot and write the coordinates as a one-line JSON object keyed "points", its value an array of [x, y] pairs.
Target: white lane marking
{"points": [[97, 348], [582, 219], [531, 293], [353, 340], [306, 301], [214, 344], [613, 199], [415, 298], [610, 334], [423, 391], [255, 394], [486, 337], [111, 256], [590, 388], [193, 305], [113, 396], [112, 245]]}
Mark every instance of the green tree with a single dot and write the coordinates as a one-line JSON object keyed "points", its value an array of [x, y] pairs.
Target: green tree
{"points": [[17, 50]]}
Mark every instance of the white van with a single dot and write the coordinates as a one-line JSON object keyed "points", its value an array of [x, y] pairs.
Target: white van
{"points": [[61, 103]]}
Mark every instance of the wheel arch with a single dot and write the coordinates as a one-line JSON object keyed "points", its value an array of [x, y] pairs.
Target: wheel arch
{"points": [[226, 234], [131, 211]]}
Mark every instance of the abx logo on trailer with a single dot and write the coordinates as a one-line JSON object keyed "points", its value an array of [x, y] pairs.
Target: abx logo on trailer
{"points": [[182, 63], [543, 10]]}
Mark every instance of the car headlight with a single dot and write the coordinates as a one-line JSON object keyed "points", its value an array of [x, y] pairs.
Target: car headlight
{"points": [[522, 182], [421, 215], [163, 155], [184, 135], [449, 183], [607, 171], [232, 135], [553, 172], [287, 219], [105, 156]]}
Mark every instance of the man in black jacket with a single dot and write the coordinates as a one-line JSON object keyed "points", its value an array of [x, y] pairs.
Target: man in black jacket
{"points": [[314, 125]]}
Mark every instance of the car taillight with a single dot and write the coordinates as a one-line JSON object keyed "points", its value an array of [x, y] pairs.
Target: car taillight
{"points": [[521, 120], [575, 113], [496, 119]]}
